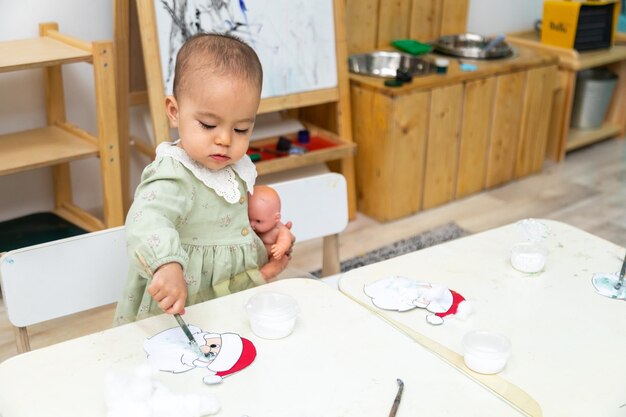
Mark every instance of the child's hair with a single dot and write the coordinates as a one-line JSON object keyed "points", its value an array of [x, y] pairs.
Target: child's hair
{"points": [[222, 53]]}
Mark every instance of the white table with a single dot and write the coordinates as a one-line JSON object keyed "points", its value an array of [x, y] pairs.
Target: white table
{"points": [[568, 342], [341, 360]]}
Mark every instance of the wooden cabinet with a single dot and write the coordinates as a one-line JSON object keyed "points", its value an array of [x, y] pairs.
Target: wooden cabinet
{"points": [[443, 137], [60, 142], [563, 138]]}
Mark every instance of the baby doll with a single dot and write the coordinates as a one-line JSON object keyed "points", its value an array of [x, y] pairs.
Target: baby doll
{"points": [[264, 215]]}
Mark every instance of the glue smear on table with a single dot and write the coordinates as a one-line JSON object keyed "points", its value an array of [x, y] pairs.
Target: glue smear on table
{"points": [[604, 284]]}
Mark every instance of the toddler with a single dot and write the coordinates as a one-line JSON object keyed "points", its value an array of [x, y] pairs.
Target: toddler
{"points": [[206, 174], [264, 215]]}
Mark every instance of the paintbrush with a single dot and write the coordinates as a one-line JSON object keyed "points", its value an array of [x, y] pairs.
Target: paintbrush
{"points": [[179, 319], [192, 341], [620, 281], [396, 401]]}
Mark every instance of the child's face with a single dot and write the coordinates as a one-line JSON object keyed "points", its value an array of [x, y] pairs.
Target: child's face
{"points": [[215, 116]]}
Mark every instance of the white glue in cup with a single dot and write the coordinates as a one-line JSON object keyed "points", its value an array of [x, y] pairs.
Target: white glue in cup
{"points": [[528, 257], [486, 352], [272, 315]]}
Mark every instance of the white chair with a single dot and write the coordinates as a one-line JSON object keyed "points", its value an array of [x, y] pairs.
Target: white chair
{"points": [[67, 276], [318, 207], [63, 277]]}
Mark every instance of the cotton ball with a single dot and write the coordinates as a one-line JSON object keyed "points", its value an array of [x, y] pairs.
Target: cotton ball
{"points": [[141, 395], [166, 404], [124, 398]]}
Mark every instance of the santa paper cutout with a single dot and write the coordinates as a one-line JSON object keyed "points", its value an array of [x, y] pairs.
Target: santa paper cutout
{"points": [[403, 294], [226, 353]]}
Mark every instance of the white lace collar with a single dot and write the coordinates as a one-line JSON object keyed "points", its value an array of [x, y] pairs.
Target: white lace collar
{"points": [[222, 181]]}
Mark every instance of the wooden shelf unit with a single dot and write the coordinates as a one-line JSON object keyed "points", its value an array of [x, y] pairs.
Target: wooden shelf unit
{"points": [[562, 137], [61, 142]]}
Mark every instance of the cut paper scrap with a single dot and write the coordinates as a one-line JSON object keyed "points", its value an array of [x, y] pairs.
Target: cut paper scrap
{"points": [[403, 294], [226, 353], [140, 394], [604, 284]]}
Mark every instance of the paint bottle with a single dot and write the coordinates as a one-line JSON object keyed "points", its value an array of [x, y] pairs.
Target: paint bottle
{"points": [[304, 137]]}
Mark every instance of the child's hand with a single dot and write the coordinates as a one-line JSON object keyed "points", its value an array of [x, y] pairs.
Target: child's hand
{"points": [[274, 267], [169, 289]]}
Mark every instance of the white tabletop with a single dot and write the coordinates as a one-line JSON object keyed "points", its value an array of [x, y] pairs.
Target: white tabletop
{"points": [[341, 360], [568, 342]]}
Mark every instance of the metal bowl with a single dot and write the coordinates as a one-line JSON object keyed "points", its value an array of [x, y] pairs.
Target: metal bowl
{"points": [[385, 64], [470, 45]]}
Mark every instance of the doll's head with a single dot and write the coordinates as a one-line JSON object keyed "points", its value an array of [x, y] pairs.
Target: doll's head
{"points": [[217, 90], [263, 208]]}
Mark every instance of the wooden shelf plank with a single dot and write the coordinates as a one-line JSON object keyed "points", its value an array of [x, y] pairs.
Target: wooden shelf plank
{"points": [[582, 137], [38, 52], [292, 101], [41, 147], [342, 150], [310, 158], [570, 58]]}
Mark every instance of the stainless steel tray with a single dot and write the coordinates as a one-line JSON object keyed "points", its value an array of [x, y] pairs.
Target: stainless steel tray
{"points": [[385, 64], [470, 45]]}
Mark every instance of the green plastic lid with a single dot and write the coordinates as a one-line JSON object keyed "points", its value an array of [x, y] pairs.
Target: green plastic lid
{"points": [[412, 46]]}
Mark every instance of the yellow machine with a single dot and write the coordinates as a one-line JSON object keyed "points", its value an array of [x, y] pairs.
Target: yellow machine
{"points": [[582, 25]]}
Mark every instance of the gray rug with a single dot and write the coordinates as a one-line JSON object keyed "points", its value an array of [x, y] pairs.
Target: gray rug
{"points": [[431, 237]]}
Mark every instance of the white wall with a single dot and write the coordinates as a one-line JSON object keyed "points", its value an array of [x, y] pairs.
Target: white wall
{"points": [[22, 99], [490, 17]]}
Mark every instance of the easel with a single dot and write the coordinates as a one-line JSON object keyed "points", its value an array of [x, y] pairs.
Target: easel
{"points": [[326, 108]]}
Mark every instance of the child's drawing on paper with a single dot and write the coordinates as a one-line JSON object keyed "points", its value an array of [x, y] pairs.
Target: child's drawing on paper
{"points": [[222, 354], [403, 294], [295, 39]]}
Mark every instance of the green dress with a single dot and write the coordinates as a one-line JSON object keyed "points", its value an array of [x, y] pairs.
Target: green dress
{"points": [[185, 213]]}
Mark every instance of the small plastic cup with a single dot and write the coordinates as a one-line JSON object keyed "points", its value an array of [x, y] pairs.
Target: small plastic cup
{"points": [[441, 65], [486, 352], [272, 315], [528, 257]]}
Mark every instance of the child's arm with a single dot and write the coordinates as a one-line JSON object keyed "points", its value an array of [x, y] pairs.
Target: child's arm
{"points": [[169, 289], [283, 241], [274, 267], [151, 234]]}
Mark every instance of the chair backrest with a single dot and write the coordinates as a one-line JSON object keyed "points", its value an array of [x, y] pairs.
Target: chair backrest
{"points": [[317, 205], [58, 278], [55, 279]]}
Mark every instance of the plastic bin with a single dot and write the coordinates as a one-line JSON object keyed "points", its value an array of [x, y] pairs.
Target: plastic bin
{"points": [[594, 89]]}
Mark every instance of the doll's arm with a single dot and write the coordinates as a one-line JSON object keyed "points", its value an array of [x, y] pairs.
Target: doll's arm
{"points": [[283, 242]]}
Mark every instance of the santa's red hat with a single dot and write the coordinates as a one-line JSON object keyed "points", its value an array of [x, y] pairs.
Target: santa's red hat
{"points": [[459, 306], [235, 354]]}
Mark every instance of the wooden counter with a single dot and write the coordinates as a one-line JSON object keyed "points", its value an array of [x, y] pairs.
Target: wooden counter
{"points": [[564, 138], [444, 137]]}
